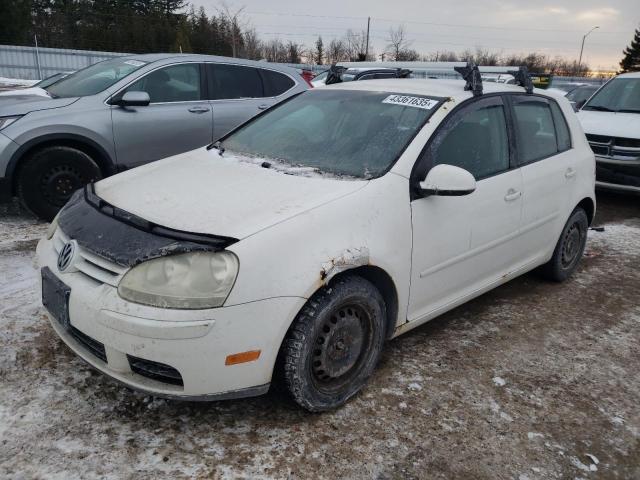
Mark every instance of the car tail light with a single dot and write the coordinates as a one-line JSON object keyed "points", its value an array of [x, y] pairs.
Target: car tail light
{"points": [[307, 75]]}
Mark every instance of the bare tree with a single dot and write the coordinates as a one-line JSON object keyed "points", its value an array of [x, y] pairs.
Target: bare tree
{"points": [[337, 51], [237, 23], [294, 52], [252, 48], [397, 42], [356, 46]]}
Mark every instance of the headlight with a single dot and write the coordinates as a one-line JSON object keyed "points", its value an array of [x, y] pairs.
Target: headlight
{"points": [[6, 121], [53, 226], [187, 280]]}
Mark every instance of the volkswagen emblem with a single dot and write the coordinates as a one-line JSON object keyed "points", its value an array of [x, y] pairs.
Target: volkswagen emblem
{"points": [[67, 255]]}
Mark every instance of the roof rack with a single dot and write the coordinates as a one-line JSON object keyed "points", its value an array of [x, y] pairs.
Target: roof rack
{"points": [[523, 78], [471, 74]]}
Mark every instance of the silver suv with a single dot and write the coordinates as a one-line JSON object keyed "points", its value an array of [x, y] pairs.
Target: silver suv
{"points": [[126, 112]]}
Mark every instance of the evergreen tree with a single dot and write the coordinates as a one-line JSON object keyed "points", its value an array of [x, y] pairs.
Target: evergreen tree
{"points": [[631, 60], [319, 53]]}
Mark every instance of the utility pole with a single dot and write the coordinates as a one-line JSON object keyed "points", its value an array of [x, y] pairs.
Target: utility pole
{"points": [[366, 52], [35, 37], [582, 47]]}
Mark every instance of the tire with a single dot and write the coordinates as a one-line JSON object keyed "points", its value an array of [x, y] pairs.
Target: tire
{"points": [[334, 344], [569, 248], [49, 177]]}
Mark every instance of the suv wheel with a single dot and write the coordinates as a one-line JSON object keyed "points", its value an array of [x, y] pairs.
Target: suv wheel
{"points": [[51, 175], [569, 248], [334, 344]]}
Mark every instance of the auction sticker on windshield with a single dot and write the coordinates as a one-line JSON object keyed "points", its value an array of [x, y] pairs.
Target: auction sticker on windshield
{"points": [[417, 102]]}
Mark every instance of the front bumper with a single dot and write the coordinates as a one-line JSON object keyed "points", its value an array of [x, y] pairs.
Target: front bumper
{"points": [[7, 148], [193, 343], [618, 175]]}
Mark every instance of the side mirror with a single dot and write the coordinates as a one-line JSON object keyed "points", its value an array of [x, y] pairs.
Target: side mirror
{"points": [[578, 105], [135, 99], [449, 181]]}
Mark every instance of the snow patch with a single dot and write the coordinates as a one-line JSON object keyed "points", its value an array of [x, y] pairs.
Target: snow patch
{"points": [[17, 81], [499, 382]]}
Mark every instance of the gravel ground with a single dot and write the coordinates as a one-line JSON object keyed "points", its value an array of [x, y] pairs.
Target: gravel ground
{"points": [[531, 381]]}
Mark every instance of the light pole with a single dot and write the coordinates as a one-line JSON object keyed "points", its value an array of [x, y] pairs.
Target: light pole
{"points": [[582, 47]]}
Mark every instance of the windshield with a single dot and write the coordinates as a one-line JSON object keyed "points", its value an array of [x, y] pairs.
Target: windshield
{"points": [[354, 133], [94, 79], [580, 94], [619, 95], [50, 80]]}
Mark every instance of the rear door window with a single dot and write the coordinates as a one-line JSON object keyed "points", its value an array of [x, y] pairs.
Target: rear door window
{"points": [[275, 83], [176, 83], [228, 82], [562, 130], [535, 129]]}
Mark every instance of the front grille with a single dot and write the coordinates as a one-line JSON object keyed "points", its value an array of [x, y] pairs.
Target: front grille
{"points": [[93, 346], [93, 266], [155, 370], [619, 148]]}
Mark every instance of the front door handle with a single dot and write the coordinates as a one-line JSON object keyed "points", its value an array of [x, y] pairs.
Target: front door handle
{"points": [[512, 195], [263, 107], [570, 173], [198, 109]]}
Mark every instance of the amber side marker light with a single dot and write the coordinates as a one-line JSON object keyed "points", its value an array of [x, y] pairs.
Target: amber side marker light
{"points": [[242, 357]]}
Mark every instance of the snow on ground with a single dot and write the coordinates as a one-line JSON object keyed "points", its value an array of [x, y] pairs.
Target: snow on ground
{"points": [[16, 82], [533, 380]]}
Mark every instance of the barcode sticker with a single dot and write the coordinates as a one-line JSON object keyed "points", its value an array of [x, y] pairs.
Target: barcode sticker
{"points": [[407, 101]]}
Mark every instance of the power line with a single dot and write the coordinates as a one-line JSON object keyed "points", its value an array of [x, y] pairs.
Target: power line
{"points": [[399, 21]]}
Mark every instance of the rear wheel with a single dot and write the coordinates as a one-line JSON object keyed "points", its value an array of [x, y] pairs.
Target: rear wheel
{"points": [[51, 175], [334, 344], [569, 248]]}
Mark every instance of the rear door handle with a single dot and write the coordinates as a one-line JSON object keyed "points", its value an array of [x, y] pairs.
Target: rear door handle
{"points": [[263, 107], [570, 173], [512, 195], [198, 109]]}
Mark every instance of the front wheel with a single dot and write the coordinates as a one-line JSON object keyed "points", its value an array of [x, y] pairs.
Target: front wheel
{"points": [[569, 248], [51, 175], [334, 344]]}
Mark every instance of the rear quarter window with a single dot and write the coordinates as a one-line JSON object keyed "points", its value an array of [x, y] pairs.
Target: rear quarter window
{"points": [[275, 83], [562, 130]]}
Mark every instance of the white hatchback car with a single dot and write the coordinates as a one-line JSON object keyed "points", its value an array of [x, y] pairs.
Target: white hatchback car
{"points": [[313, 233]]}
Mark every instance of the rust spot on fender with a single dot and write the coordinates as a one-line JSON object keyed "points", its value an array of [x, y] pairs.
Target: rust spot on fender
{"points": [[350, 258]]}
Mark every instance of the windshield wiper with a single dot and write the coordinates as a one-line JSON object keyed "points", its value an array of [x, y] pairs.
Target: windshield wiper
{"points": [[217, 145], [629, 110], [599, 108]]}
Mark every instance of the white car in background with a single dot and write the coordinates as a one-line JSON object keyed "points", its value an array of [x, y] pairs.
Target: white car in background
{"points": [[611, 121], [306, 238]]}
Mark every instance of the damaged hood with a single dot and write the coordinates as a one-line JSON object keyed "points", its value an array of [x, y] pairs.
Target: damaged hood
{"points": [[204, 192], [610, 124]]}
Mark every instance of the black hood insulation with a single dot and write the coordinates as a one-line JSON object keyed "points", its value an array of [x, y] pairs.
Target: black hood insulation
{"points": [[124, 238]]}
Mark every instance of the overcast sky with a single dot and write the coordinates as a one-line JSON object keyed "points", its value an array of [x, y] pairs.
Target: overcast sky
{"points": [[506, 26]]}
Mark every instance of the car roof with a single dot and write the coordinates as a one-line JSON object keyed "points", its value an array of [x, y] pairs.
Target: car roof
{"points": [[630, 75], [189, 57], [429, 87]]}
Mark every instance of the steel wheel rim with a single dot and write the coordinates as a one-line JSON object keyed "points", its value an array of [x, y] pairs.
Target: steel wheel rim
{"points": [[340, 347], [571, 244], [59, 183]]}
